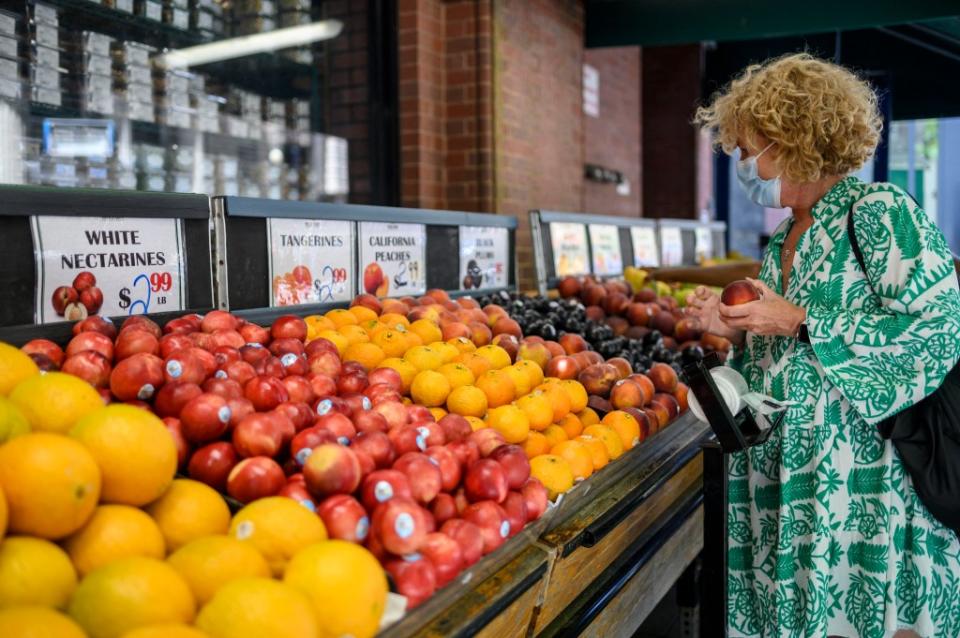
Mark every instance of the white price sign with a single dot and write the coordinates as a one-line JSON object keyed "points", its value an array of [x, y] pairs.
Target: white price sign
{"points": [[393, 257], [569, 243], [671, 246], [484, 257], [645, 253], [704, 243], [311, 261], [107, 266], [605, 244]]}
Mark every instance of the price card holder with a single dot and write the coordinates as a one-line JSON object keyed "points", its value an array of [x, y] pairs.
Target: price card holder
{"points": [[111, 253], [645, 245], [678, 242], [605, 253]]}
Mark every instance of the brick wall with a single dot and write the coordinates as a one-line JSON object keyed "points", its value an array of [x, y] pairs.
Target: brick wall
{"points": [[612, 139]]}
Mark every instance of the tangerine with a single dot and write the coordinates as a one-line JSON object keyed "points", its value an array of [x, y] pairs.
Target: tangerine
{"points": [[369, 355], [625, 425], [577, 455], [335, 338], [34, 571], [496, 355], [537, 407], [342, 317], [55, 401], [576, 393], [476, 423], [477, 364], [112, 533], [427, 330], [588, 417], [462, 344], [608, 437], [15, 366], [457, 374], [468, 401], [554, 472], [521, 381], [597, 449], [210, 562], [533, 371], [364, 314], [278, 527], [189, 510], [555, 434], [256, 608], [353, 334], [392, 342], [395, 320], [535, 445], [38, 622], [571, 425], [497, 386], [558, 399], [511, 422], [430, 388], [424, 357], [404, 368]]}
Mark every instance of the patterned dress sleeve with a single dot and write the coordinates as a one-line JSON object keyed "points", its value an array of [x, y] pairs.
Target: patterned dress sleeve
{"points": [[886, 352]]}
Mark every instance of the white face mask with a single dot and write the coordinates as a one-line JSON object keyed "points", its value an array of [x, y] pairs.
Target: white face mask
{"points": [[765, 192]]}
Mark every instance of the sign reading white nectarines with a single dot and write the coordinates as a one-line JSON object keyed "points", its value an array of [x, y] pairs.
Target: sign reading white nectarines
{"points": [[484, 261], [311, 260], [393, 257]]}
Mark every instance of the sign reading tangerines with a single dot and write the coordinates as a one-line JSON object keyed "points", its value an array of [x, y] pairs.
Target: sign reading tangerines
{"points": [[605, 246], [311, 261], [484, 257], [106, 266], [394, 258], [569, 244]]}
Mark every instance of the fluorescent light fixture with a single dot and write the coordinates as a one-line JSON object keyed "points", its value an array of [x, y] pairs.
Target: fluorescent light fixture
{"points": [[251, 44]]}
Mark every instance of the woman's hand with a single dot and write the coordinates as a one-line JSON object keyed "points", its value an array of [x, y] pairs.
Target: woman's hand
{"points": [[770, 315], [702, 307]]}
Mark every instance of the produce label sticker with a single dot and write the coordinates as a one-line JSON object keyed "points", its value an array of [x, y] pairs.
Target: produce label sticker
{"points": [[107, 266], [484, 257], [569, 243], [394, 258], [671, 245], [311, 261], [704, 243], [645, 246], [605, 244]]}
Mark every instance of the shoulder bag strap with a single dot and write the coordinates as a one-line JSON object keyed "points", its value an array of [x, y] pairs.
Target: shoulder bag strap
{"points": [[855, 246]]}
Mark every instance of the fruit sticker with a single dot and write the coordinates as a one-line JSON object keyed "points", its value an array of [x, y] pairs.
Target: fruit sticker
{"points": [[484, 257], [671, 246], [393, 257], [569, 243], [106, 266], [605, 245], [645, 253], [311, 261]]}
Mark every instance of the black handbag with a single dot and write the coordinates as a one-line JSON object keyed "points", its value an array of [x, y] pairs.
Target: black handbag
{"points": [[927, 436]]}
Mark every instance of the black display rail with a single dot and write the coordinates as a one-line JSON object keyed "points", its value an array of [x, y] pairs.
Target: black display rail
{"points": [[274, 257], [583, 244], [686, 242], [71, 253]]}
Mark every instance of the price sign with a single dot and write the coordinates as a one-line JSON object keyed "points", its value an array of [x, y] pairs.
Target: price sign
{"points": [[107, 266], [704, 243], [484, 257], [569, 243], [645, 252], [605, 244], [394, 259], [311, 261], [671, 246]]}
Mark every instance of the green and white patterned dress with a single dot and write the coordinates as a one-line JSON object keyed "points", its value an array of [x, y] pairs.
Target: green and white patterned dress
{"points": [[826, 535]]}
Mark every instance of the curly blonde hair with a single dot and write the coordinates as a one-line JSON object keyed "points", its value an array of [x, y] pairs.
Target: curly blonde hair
{"points": [[823, 118]]}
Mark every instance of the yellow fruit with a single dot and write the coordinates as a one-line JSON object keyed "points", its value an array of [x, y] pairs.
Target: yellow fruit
{"points": [[168, 630], [558, 399], [554, 472], [498, 386], [318, 323], [430, 388], [555, 434], [511, 422], [571, 425], [496, 355], [363, 314], [134, 451], [13, 423], [521, 381], [395, 321], [608, 437], [428, 331], [457, 374], [54, 402], [447, 352], [538, 410], [588, 417], [34, 572], [535, 445], [15, 366], [4, 514], [51, 484], [576, 393], [599, 456], [209, 563], [335, 338], [392, 342], [112, 533], [625, 425], [258, 608], [533, 371], [37, 622], [404, 368], [424, 358], [345, 585], [577, 457], [189, 510], [278, 527], [467, 400], [353, 334], [342, 317], [438, 413], [131, 593], [369, 355], [475, 423], [462, 344], [477, 364]]}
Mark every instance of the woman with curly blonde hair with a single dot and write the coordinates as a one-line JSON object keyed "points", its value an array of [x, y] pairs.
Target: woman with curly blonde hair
{"points": [[827, 536]]}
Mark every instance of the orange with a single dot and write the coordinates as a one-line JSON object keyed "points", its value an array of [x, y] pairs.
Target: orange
{"points": [[588, 417], [476, 423], [467, 400], [511, 422], [318, 323], [571, 425], [447, 351], [558, 399], [430, 388], [210, 562], [608, 437], [353, 333], [55, 401], [424, 357], [342, 317], [189, 510], [537, 408], [13, 423], [112, 533], [134, 451], [477, 364], [555, 434], [577, 455], [625, 425], [335, 338], [37, 622], [392, 342], [394, 320], [597, 449], [462, 344], [364, 314], [166, 630], [130, 593], [369, 355], [257, 608], [438, 413], [457, 374], [521, 382], [4, 514], [15, 366], [426, 330], [496, 355], [497, 386], [554, 472], [278, 527], [413, 339], [34, 571], [532, 370], [536, 444], [369, 326], [51, 484], [576, 393], [345, 585], [404, 368]]}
